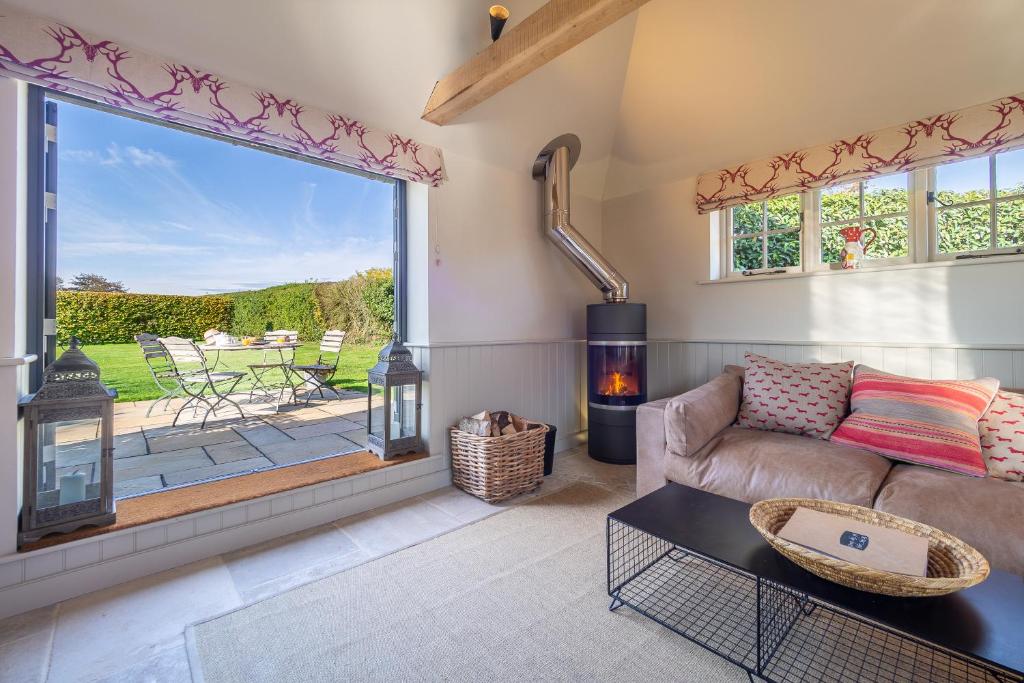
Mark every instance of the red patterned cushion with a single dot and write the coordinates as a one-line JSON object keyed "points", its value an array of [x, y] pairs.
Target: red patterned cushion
{"points": [[1002, 437], [796, 398], [928, 422]]}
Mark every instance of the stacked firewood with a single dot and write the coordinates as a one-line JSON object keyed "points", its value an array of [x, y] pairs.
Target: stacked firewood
{"points": [[496, 423]]}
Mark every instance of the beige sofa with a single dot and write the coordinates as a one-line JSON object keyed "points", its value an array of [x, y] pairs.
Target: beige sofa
{"points": [[690, 439]]}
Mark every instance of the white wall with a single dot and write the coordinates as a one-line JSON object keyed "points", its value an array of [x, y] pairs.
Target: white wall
{"points": [[493, 274], [660, 241]]}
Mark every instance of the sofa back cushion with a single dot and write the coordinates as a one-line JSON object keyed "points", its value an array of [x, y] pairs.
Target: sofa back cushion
{"points": [[795, 398], [928, 422], [1002, 436]]}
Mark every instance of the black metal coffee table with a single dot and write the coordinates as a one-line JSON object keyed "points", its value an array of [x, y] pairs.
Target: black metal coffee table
{"points": [[691, 561]]}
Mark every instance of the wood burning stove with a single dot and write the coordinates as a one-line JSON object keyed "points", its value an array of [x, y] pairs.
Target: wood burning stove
{"points": [[616, 329], [616, 378]]}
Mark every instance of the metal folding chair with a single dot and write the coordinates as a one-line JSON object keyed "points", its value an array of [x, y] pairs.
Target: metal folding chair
{"points": [[195, 377], [319, 374], [160, 369], [261, 372]]}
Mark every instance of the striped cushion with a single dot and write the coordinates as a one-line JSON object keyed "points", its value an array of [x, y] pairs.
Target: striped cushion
{"points": [[927, 422]]}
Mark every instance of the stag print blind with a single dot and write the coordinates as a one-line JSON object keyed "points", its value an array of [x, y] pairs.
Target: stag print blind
{"points": [[976, 131], [67, 60]]}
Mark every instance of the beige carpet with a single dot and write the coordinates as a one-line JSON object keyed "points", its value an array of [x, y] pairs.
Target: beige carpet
{"points": [[517, 596]]}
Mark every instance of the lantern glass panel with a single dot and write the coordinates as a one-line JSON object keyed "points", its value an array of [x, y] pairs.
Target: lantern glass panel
{"points": [[403, 411], [69, 462], [376, 416]]}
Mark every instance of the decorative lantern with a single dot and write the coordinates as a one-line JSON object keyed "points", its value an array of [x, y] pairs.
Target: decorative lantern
{"points": [[69, 449], [394, 427]]}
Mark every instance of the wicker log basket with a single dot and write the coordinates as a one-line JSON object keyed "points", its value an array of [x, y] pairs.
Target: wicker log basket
{"points": [[952, 564], [496, 468]]}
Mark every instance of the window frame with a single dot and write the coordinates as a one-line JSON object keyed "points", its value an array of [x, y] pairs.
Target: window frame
{"points": [[862, 218], [922, 228], [42, 217], [728, 265], [935, 207]]}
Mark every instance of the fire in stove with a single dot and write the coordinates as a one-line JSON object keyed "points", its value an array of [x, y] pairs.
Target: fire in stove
{"points": [[619, 384]]}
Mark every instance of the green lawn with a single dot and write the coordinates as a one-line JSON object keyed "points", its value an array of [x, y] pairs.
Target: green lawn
{"points": [[122, 367]]}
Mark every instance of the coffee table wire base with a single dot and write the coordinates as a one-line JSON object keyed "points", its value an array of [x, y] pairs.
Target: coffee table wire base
{"points": [[770, 631]]}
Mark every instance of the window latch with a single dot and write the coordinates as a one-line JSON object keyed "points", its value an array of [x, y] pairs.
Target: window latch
{"points": [[932, 198]]}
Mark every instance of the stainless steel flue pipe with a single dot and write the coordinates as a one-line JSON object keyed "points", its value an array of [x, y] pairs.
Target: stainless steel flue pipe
{"points": [[552, 166]]}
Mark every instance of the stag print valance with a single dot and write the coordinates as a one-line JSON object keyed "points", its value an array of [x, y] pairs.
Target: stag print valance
{"points": [[975, 131], [65, 59]]}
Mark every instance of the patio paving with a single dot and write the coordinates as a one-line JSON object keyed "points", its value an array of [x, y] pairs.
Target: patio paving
{"points": [[151, 455]]}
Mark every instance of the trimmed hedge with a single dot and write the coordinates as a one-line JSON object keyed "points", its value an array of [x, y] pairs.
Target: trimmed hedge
{"points": [[114, 317], [363, 305], [286, 307]]}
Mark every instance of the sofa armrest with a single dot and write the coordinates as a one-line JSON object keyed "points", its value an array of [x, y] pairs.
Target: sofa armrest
{"points": [[650, 446], [693, 418]]}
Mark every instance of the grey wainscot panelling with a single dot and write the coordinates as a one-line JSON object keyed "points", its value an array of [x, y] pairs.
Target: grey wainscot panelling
{"points": [[678, 366]]}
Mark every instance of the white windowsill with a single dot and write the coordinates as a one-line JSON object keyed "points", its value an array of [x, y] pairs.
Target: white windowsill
{"points": [[17, 360], [860, 271]]}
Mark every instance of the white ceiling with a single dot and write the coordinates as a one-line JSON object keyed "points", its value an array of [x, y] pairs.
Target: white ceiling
{"points": [[718, 82], [681, 87]]}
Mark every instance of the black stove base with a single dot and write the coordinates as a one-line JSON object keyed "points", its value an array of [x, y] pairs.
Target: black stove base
{"points": [[612, 435]]}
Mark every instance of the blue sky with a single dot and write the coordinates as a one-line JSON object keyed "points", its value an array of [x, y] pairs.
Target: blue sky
{"points": [[170, 212]]}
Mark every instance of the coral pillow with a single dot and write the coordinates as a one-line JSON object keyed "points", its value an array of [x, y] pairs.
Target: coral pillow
{"points": [[1002, 437], [804, 398], [927, 422]]}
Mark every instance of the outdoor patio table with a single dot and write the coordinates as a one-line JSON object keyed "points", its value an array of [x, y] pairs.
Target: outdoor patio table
{"points": [[280, 347]]}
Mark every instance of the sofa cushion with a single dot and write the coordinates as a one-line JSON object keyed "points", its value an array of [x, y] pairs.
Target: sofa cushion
{"points": [[751, 465], [1002, 437], [691, 419], [928, 422], [986, 513], [795, 398]]}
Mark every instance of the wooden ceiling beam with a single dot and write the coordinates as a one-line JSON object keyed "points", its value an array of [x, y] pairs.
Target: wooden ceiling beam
{"points": [[553, 29]]}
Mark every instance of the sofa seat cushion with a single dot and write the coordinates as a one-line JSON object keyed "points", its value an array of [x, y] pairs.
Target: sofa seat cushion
{"points": [[752, 465], [986, 513]]}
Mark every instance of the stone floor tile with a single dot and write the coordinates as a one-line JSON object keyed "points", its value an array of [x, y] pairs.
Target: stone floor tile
{"points": [[307, 449], [231, 451], [136, 487], [304, 575], [397, 525], [98, 633], [336, 425], [357, 435], [130, 444], [160, 463], [24, 660], [262, 434], [259, 564], [176, 441], [358, 418], [28, 624], [459, 504], [168, 665], [198, 474]]}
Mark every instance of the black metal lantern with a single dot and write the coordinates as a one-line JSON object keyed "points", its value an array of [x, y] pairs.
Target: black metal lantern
{"points": [[69, 449], [394, 427]]}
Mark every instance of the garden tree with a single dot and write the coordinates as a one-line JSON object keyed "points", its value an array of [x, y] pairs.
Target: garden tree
{"points": [[959, 229], [91, 282]]}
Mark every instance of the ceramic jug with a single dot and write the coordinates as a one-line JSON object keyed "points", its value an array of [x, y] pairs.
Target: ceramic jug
{"points": [[853, 253]]}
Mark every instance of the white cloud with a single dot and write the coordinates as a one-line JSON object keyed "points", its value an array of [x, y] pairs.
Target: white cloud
{"points": [[148, 157], [111, 157]]}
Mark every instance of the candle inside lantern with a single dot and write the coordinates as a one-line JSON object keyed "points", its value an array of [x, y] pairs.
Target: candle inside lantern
{"points": [[72, 487]]}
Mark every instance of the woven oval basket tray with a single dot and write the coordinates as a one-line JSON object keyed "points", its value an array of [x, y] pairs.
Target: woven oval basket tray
{"points": [[952, 564]]}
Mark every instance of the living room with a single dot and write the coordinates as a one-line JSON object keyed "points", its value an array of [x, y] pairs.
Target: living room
{"points": [[757, 191]]}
